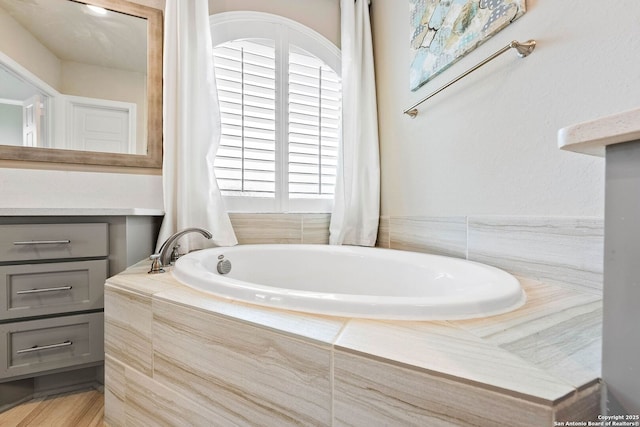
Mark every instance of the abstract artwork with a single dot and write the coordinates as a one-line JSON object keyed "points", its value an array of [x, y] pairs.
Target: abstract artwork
{"points": [[442, 31]]}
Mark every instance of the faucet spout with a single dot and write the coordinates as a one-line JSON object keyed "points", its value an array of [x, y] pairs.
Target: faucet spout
{"points": [[167, 246]]}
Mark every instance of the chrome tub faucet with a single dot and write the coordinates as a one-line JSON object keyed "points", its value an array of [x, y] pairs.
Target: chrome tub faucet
{"points": [[169, 250]]}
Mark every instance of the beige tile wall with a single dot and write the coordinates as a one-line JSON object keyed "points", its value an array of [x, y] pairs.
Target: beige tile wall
{"points": [[373, 393], [281, 228], [440, 236], [219, 363], [127, 332], [383, 233], [114, 391], [581, 407], [149, 403], [558, 330], [239, 371], [567, 251]]}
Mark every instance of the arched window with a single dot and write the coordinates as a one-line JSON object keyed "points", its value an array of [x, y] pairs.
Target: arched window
{"points": [[280, 99]]}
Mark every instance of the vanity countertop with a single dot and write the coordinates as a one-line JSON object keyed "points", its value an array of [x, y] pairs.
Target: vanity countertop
{"points": [[80, 212], [593, 136]]}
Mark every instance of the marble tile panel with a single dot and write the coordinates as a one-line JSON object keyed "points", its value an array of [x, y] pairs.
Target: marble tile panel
{"points": [[149, 403], [435, 235], [128, 328], [267, 228], [373, 393], [318, 328], [315, 228], [566, 251], [558, 330], [585, 406], [441, 349], [242, 373], [114, 392], [383, 232], [136, 279]]}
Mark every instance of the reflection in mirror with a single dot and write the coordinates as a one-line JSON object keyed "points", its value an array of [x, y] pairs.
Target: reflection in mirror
{"points": [[80, 78], [23, 111]]}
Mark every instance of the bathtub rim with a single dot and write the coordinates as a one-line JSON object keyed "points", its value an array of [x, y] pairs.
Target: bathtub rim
{"points": [[190, 272]]}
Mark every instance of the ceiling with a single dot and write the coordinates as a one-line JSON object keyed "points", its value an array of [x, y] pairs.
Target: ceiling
{"points": [[72, 32]]}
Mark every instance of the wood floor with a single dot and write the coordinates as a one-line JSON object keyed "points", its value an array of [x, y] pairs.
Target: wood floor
{"points": [[82, 408]]}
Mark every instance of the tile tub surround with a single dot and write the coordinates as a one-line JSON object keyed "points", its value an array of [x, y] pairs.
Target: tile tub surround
{"points": [[175, 355], [257, 228], [436, 235], [567, 251]]}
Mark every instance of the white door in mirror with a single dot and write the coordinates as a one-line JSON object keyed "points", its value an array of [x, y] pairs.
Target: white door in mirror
{"points": [[31, 119], [104, 126]]}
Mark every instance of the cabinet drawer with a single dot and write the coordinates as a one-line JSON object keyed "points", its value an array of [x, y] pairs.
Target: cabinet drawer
{"points": [[24, 242], [42, 345], [40, 289]]}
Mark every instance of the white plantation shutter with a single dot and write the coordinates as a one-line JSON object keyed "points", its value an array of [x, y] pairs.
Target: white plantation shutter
{"points": [[314, 125], [281, 117], [245, 163]]}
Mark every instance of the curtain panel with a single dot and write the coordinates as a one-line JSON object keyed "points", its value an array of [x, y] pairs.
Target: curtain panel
{"points": [[356, 212], [191, 129]]}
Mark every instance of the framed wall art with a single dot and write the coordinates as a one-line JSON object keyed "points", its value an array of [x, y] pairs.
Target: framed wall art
{"points": [[442, 31]]}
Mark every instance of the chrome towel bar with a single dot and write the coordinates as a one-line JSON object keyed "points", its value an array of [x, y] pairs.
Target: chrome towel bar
{"points": [[522, 49]]}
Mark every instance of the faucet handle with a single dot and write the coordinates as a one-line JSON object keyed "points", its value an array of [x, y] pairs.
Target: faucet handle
{"points": [[156, 264], [175, 254]]}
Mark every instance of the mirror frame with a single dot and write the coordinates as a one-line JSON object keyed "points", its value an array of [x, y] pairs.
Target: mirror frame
{"points": [[153, 157]]}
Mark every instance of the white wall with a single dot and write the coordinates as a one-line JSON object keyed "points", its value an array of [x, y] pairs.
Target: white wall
{"points": [[32, 188], [322, 16], [26, 50], [487, 145]]}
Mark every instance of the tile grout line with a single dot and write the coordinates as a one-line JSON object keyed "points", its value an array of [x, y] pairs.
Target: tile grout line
{"points": [[466, 238], [332, 383]]}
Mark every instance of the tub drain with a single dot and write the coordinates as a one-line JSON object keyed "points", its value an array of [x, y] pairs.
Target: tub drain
{"points": [[224, 265]]}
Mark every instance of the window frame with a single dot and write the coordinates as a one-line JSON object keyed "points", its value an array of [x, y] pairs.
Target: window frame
{"points": [[228, 26]]}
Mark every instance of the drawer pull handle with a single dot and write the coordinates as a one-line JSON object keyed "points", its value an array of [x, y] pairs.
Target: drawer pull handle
{"points": [[44, 347], [43, 242], [37, 291]]}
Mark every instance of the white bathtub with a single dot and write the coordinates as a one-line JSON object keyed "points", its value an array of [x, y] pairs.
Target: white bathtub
{"points": [[353, 281]]}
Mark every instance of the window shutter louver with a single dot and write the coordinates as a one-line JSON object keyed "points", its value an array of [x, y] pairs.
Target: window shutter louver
{"points": [[314, 119], [249, 161], [245, 162]]}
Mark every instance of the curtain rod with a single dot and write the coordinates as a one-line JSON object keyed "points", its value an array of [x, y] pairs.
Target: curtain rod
{"points": [[522, 50]]}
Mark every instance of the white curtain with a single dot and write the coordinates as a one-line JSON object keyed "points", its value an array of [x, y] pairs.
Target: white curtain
{"points": [[191, 129], [354, 220]]}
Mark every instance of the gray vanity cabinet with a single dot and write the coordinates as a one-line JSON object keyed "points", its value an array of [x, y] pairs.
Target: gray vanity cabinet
{"points": [[53, 266], [37, 346], [51, 288], [52, 278]]}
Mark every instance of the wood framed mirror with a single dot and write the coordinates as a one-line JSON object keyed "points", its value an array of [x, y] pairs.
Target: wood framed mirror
{"points": [[84, 85]]}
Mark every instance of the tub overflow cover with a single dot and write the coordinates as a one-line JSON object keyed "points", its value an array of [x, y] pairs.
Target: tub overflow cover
{"points": [[224, 265]]}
